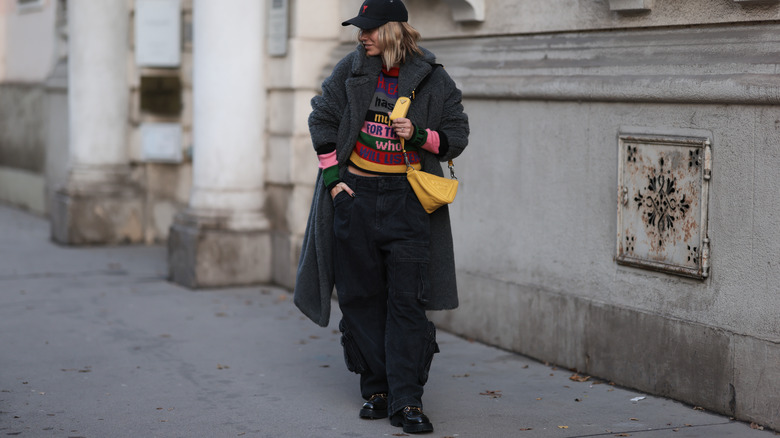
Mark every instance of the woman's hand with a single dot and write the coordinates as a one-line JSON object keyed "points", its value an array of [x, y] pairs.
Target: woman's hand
{"points": [[403, 127], [341, 187]]}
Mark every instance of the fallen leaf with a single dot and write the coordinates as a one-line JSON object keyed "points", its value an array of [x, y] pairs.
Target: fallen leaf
{"points": [[563, 427], [623, 434], [222, 367], [634, 419], [525, 366], [676, 430], [527, 428], [577, 400], [698, 408], [578, 378], [756, 426], [492, 394]]}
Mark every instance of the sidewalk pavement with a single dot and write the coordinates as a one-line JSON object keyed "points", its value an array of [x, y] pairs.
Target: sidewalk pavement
{"points": [[94, 342]]}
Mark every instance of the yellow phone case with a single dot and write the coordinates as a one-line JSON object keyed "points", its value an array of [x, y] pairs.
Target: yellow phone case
{"points": [[401, 108]]}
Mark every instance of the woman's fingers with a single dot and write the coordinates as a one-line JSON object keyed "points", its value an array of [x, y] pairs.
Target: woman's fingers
{"points": [[341, 187], [403, 127], [347, 189]]}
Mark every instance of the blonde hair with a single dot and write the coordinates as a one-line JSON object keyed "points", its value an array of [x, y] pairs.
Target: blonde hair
{"points": [[397, 40]]}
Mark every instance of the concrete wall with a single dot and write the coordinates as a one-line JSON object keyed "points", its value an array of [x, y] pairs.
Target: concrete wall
{"points": [[22, 145], [536, 258], [27, 54]]}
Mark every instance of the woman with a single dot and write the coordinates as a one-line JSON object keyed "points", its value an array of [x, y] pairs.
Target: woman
{"points": [[367, 233]]}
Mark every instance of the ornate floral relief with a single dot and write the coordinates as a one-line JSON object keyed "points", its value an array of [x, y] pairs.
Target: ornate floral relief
{"points": [[662, 204]]}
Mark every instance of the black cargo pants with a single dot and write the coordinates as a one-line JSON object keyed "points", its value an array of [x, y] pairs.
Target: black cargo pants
{"points": [[381, 258]]}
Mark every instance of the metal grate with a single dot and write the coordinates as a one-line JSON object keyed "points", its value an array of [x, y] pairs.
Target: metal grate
{"points": [[662, 203]]}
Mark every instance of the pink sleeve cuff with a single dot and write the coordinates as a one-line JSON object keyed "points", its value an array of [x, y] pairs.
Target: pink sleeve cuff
{"points": [[432, 144], [329, 159]]}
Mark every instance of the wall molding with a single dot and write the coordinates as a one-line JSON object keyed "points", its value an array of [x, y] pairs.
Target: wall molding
{"points": [[728, 64], [630, 5]]}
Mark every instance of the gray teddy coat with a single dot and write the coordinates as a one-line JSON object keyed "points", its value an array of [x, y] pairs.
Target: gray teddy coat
{"points": [[337, 117]]}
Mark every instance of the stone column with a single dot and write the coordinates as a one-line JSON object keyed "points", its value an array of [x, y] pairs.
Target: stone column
{"points": [[98, 203], [223, 237]]}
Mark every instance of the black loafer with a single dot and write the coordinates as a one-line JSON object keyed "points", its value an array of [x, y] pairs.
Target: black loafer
{"points": [[412, 419], [375, 407]]}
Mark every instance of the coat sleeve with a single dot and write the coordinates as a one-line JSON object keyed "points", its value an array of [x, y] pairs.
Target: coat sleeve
{"points": [[328, 108], [454, 122]]}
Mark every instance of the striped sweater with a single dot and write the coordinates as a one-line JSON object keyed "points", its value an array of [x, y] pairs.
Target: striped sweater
{"points": [[378, 149]]}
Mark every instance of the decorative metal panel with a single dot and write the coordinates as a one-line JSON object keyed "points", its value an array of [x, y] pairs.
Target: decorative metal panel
{"points": [[663, 187]]}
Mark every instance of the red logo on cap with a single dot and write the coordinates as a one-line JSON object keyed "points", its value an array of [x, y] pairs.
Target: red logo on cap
{"points": [[364, 8]]}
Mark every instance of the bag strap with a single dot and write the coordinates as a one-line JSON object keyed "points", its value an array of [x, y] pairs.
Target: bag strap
{"points": [[450, 164]]}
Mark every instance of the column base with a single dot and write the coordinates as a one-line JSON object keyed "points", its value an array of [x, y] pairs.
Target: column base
{"points": [[205, 252], [99, 218]]}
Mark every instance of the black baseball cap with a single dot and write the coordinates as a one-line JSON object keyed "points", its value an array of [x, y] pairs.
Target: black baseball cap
{"points": [[374, 13]]}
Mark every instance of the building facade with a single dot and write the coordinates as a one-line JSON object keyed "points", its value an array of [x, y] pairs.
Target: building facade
{"points": [[618, 206]]}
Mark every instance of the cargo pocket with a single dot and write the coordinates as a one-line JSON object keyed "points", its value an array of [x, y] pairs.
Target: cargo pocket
{"points": [[352, 355], [431, 348], [408, 271]]}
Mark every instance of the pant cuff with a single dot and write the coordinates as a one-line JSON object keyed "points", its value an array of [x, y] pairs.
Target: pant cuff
{"points": [[399, 404]]}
